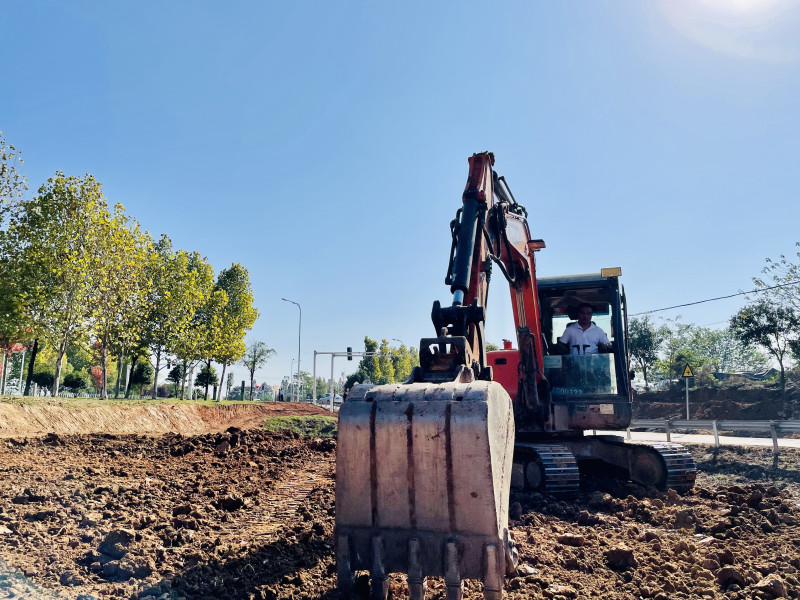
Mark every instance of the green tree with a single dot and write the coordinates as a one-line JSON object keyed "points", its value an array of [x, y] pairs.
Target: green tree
{"points": [[118, 297], [176, 376], [256, 357], [368, 365], [645, 340], [179, 284], [142, 375], [12, 183], [54, 237], [237, 318], [76, 381], [191, 345], [385, 363], [773, 327], [205, 378], [782, 272]]}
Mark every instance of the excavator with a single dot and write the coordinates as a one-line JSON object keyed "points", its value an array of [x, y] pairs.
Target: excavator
{"points": [[424, 468]]}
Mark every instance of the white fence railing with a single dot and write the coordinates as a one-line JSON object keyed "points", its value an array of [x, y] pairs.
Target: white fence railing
{"points": [[772, 428]]}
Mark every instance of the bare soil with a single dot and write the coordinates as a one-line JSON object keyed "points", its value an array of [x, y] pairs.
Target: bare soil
{"points": [[246, 514], [746, 401]]}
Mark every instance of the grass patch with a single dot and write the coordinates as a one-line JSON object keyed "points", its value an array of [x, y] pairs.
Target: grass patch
{"points": [[311, 426]]}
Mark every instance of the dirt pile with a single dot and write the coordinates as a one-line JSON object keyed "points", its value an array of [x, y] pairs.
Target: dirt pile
{"points": [[747, 401], [249, 515], [189, 418]]}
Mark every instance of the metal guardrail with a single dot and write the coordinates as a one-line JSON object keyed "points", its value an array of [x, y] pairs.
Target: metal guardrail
{"points": [[773, 428]]}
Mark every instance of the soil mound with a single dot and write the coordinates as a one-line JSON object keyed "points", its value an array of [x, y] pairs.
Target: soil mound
{"points": [[23, 420]]}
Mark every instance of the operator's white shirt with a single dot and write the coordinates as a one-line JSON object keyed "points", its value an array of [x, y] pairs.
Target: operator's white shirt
{"points": [[582, 341]]}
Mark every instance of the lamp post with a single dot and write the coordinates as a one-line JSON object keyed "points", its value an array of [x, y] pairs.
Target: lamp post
{"points": [[291, 380], [401, 341], [299, 327]]}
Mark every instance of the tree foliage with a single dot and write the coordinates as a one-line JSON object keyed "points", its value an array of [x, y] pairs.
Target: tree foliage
{"points": [[645, 339], [53, 240], [771, 326], [256, 357], [12, 183]]}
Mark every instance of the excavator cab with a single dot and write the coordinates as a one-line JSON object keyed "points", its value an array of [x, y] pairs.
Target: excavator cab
{"points": [[588, 391]]}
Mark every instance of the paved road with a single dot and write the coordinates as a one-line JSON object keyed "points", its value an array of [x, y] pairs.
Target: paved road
{"points": [[694, 438]]}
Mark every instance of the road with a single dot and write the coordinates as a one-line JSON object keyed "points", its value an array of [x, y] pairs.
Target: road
{"points": [[694, 438]]}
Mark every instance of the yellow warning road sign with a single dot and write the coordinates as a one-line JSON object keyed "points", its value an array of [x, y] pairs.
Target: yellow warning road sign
{"points": [[687, 372]]}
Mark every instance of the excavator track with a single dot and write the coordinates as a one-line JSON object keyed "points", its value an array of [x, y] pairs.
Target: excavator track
{"points": [[546, 468], [681, 471], [664, 465]]}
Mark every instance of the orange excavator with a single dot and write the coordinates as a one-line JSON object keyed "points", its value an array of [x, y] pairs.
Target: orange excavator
{"points": [[424, 468]]}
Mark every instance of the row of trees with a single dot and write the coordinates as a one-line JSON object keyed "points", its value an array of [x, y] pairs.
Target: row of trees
{"points": [[76, 272], [383, 363], [764, 331]]}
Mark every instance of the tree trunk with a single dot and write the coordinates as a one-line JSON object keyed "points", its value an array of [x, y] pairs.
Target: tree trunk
{"points": [[183, 381], [208, 376], [155, 372], [62, 350], [128, 385], [222, 381], [120, 368], [3, 369], [104, 369], [252, 377], [34, 350]]}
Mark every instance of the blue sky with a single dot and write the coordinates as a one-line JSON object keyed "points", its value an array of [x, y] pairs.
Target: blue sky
{"points": [[324, 145]]}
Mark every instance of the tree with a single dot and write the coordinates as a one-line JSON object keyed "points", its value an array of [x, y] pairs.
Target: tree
{"points": [[644, 340], [179, 284], [256, 357], [142, 375], [176, 375], [767, 324], [76, 381], [54, 240], [238, 315], [368, 366], [385, 363], [12, 183], [206, 377], [782, 272], [118, 297]]}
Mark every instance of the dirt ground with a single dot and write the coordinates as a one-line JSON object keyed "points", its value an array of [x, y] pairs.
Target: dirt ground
{"points": [[746, 401], [246, 514]]}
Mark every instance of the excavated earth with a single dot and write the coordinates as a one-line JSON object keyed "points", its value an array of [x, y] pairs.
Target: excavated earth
{"points": [[237, 512]]}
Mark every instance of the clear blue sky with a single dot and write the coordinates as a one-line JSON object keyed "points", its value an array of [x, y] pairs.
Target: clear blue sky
{"points": [[324, 145]]}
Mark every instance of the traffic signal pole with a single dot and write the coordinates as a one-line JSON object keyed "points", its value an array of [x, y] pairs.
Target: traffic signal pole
{"points": [[349, 354]]}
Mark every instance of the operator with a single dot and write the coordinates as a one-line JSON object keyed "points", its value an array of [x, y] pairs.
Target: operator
{"points": [[584, 337]]}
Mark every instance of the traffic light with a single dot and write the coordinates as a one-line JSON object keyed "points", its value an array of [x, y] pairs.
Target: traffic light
{"points": [[349, 353]]}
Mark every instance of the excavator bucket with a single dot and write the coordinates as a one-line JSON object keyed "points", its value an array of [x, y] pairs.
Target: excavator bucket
{"points": [[423, 475]]}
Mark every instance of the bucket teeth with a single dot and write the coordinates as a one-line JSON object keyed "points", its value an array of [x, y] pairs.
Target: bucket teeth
{"points": [[379, 582], [492, 578], [417, 584], [345, 579], [452, 575]]}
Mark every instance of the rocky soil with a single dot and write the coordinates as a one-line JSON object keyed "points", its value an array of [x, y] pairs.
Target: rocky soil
{"points": [[246, 514]]}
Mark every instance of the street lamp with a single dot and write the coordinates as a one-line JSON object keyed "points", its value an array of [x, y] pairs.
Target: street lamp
{"points": [[401, 341], [291, 379], [299, 326]]}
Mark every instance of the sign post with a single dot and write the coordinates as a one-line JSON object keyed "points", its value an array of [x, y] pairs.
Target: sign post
{"points": [[687, 372]]}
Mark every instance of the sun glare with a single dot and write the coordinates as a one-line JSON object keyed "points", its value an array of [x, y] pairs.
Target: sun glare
{"points": [[753, 29]]}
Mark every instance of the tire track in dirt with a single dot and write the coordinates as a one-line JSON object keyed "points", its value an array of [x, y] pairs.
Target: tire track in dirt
{"points": [[285, 498]]}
